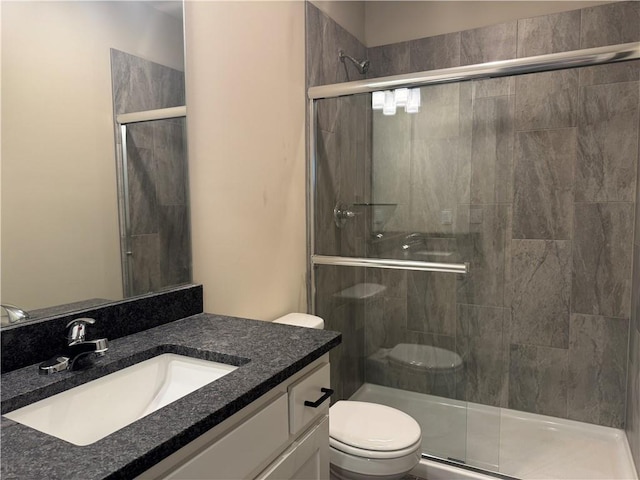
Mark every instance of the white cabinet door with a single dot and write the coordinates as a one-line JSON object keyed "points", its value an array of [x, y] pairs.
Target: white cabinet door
{"points": [[306, 459], [242, 450]]}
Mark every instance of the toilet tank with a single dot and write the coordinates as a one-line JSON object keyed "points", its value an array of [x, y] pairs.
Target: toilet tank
{"points": [[301, 320]]}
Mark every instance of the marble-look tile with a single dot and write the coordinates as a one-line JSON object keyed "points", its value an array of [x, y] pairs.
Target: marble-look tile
{"points": [[465, 142], [635, 282], [431, 302], [506, 356], [349, 371], [392, 59], [602, 259], [139, 84], [481, 232], [336, 318], [434, 176], [327, 234], [324, 38], [610, 73], [547, 100], [543, 193], [538, 380], [598, 370], [540, 292], [494, 87], [632, 425], [559, 32], [351, 132], [439, 115], [331, 280], [610, 24], [385, 323], [479, 341], [175, 242], [637, 230], [391, 165], [143, 205], [141, 134], [327, 114], [432, 53], [394, 281], [488, 44], [145, 263], [607, 142], [492, 150], [171, 164]]}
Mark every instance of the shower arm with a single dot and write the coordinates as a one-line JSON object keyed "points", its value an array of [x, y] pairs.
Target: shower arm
{"points": [[363, 66]]}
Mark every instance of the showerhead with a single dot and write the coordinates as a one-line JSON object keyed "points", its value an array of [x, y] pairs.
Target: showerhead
{"points": [[363, 66]]}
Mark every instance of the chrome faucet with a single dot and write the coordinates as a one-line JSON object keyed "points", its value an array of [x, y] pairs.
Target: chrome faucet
{"points": [[15, 314], [411, 240], [77, 348]]}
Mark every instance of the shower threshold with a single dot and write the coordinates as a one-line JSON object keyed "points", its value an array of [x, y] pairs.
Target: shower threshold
{"points": [[503, 442]]}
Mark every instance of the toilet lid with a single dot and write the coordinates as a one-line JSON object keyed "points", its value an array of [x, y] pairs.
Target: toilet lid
{"points": [[370, 426], [425, 357]]}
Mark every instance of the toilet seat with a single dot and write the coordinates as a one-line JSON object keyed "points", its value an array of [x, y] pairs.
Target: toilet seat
{"points": [[371, 430], [360, 452]]}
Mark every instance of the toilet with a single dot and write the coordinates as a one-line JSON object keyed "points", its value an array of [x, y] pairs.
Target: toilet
{"points": [[366, 440]]}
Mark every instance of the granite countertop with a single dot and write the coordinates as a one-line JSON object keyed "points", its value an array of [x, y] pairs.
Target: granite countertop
{"points": [[266, 353]]}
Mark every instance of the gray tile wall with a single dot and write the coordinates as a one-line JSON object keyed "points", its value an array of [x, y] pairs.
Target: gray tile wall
{"points": [[343, 176], [157, 173], [633, 377], [547, 223], [540, 173]]}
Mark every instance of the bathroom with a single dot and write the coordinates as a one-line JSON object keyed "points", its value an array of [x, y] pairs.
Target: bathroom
{"points": [[248, 212]]}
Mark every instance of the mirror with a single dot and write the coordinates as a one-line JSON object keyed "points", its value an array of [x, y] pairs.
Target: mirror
{"points": [[61, 223]]}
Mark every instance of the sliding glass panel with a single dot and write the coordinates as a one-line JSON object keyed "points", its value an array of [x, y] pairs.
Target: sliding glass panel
{"points": [[157, 245]]}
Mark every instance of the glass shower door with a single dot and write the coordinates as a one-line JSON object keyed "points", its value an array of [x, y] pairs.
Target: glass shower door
{"points": [[393, 193], [155, 227]]}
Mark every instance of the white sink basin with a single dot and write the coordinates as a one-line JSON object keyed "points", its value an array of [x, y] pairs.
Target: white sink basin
{"points": [[89, 412]]}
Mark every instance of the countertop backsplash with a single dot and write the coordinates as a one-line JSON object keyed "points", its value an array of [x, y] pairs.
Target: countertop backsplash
{"points": [[29, 343]]}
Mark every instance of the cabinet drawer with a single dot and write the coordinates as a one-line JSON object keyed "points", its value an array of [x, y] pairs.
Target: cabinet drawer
{"points": [[308, 388], [240, 451]]}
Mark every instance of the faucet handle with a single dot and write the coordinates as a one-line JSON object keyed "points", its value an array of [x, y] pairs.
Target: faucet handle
{"points": [[77, 329]]}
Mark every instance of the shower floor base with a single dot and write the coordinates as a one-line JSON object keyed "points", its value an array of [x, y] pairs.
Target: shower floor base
{"points": [[518, 444]]}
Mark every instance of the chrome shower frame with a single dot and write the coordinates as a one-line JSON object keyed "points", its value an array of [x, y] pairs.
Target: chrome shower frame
{"points": [[124, 214], [541, 63]]}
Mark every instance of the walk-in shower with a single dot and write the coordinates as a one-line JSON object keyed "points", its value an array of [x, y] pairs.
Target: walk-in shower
{"points": [[477, 255]]}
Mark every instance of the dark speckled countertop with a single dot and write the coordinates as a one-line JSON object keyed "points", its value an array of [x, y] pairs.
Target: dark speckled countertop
{"points": [[266, 353]]}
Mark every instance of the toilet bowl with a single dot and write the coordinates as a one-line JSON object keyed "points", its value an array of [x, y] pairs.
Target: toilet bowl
{"points": [[366, 440]]}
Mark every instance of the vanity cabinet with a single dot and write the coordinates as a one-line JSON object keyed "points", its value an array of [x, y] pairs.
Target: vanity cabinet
{"points": [[275, 437]]}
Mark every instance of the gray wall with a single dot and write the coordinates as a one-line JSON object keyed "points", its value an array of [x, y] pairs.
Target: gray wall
{"points": [[157, 173]]}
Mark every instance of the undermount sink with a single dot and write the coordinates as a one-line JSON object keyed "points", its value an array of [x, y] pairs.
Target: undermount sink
{"points": [[89, 412]]}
